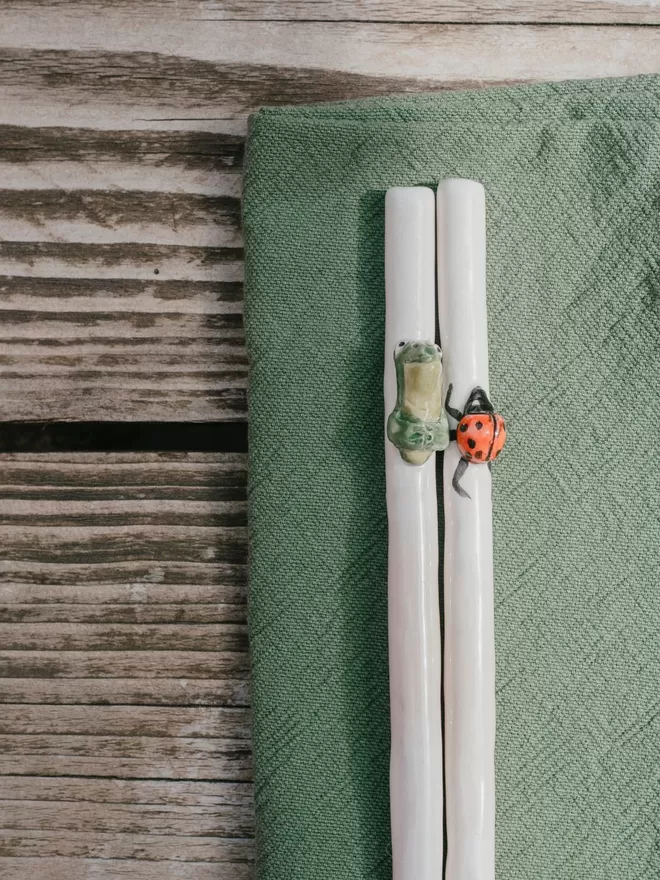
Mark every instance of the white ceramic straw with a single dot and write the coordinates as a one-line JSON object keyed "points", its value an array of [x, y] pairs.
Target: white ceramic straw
{"points": [[414, 625], [468, 582]]}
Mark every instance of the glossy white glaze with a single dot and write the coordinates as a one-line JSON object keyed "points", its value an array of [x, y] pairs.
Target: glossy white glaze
{"points": [[468, 564], [414, 624]]}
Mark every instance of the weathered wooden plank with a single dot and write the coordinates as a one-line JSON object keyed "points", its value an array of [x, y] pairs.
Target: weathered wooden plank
{"points": [[122, 627], [129, 791], [58, 145], [171, 721], [122, 529], [127, 757], [102, 869], [124, 177], [120, 273], [112, 513], [181, 543], [157, 348], [130, 513], [214, 474], [162, 579], [48, 492], [126, 691], [130, 613], [100, 216], [132, 523], [93, 332], [486, 11], [196, 821], [167, 488], [115, 294], [127, 260], [166, 350], [127, 845], [166, 68], [135, 591], [139, 664], [121, 637]]}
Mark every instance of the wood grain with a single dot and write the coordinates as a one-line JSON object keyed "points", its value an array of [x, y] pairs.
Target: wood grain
{"points": [[127, 691], [189, 821], [128, 613], [153, 721], [486, 11], [162, 72], [123, 670], [121, 148], [126, 757], [117, 869], [139, 664], [234, 854]]}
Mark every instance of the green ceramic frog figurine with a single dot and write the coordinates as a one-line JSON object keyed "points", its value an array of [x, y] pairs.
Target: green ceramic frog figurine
{"points": [[418, 424]]}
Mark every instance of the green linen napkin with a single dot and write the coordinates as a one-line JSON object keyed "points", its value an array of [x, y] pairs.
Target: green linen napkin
{"points": [[572, 174]]}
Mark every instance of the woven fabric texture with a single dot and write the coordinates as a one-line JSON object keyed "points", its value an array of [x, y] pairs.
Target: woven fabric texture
{"points": [[572, 174]]}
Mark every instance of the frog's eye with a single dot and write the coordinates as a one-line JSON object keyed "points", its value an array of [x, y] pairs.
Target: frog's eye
{"points": [[401, 343]]}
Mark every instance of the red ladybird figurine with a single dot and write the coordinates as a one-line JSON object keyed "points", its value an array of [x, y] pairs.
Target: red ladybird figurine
{"points": [[480, 433]]}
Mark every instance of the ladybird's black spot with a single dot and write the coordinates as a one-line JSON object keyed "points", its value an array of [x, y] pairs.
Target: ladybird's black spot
{"points": [[471, 443], [463, 428], [479, 426], [479, 454]]}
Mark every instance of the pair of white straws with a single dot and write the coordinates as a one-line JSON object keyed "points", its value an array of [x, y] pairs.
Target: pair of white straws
{"points": [[422, 232]]}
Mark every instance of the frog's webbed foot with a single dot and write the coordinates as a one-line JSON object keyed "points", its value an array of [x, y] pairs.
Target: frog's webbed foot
{"points": [[461, 467], [416, 440]]}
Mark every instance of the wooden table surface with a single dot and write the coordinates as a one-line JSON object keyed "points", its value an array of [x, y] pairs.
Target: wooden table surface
{"points": [[124, 734]]}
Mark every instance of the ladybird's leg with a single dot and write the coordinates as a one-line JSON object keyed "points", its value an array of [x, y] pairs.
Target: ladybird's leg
{"points": [[454, 413], [461, 467]]}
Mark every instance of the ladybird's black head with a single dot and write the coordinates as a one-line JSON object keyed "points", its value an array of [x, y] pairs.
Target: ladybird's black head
{"points": [[478, 402]]}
